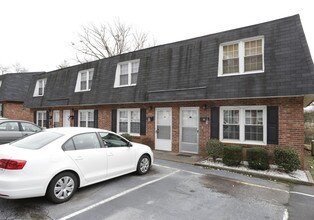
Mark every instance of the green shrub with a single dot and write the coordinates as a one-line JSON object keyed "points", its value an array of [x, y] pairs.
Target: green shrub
{"points": [[257, 158], [148, 141], [232, 155], [286, 158], [215, 149], [127, 136]]}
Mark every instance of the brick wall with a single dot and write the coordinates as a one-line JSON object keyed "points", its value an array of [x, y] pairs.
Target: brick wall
{"points": [[17, 111], [291, 122]]}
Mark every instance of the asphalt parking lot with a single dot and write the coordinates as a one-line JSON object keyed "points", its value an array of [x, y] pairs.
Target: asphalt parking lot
{"points": [[173, 191]]}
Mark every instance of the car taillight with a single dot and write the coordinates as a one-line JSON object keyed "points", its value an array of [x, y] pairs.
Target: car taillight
{"points": [[12, 164]]}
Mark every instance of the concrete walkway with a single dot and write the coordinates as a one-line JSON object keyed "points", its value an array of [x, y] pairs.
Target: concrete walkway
{"points": [[197, 160], [177, 157]]}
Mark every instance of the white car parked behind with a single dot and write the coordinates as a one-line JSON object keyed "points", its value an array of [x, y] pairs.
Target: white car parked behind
{"points": [[57, 161]]}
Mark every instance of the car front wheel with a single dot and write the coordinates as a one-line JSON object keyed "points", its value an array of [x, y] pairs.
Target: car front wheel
{"points": [[62, 187], [143, 165]]}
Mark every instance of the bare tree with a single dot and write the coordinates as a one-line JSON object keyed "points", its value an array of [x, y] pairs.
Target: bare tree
{"points": [[4, 69], [64, 64], [18, 68], [15, 68], [106, 40]]}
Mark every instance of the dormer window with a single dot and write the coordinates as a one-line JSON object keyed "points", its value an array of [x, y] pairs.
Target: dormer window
{"points": [[84, 80], [126, 73], [40, 87], [241, 57]]}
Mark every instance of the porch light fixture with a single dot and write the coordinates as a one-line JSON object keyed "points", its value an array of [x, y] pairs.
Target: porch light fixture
{"points": [[150, 118]]}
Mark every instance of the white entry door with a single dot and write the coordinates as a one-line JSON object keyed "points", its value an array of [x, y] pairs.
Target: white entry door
{"points": [[163, 129], [66, 118], [189, 118]]}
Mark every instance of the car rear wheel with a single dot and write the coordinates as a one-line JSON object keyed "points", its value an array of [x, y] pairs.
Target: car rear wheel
{"points": [[62, 187], [143, 165]]}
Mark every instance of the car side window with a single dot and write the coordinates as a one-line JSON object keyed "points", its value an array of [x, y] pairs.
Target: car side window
{"points": [[86, 141], [9, 126], [112, 140], [69, 145], [30, 127]]}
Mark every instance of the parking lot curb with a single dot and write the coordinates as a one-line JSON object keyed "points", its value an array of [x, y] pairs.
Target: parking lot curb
{"points": [[265, 176]]}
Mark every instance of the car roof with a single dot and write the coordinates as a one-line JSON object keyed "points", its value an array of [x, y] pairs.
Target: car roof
{"points": [[75, 130], [14, 120]]}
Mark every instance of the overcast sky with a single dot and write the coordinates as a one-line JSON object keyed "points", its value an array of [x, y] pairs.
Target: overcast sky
{"points": [[38, 33]]}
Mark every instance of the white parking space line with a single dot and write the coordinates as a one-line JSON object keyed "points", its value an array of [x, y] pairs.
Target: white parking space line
{"points": [[195, 173], [303, 194], [285, 215], [116, 196]]}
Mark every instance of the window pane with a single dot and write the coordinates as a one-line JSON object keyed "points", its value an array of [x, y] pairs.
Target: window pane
{"points": [[123, 121], [90, 119], [68, 145], [9, 126], [86, 141], [231, 126], [29, 127], [82, 118], [254, 125], [37, 140], [231, 66], [123, 69], [253, 63], [231, 132], [124, 80], [90, 79], [163, 132], [40, 91], [253, 56], [123, 127], [254, 132], [83, 80], [112, 140], [135, 127], [83, 85], [189, 135], [134, 78], [135, 66]]}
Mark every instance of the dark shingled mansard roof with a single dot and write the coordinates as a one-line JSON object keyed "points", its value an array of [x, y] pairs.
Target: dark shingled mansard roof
{"points": [[14, 86], [188, 70]]}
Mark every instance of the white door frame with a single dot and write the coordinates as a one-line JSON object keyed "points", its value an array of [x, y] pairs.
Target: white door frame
{"points": [[65, 118], [166, 145], [197, 121]]}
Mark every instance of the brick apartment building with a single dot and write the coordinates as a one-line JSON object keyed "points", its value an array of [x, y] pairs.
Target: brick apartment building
{"points": [[246, 86], [13, 90]]}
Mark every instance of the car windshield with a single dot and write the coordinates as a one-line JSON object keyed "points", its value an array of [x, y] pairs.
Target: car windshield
{"points": [[37, 140]]}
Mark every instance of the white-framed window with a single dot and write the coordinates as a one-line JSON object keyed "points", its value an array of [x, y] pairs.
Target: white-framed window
{"points": [[244, 56], [84, 80], [129, 121], [40, 87], [86, 118], [243, 124], [0, 83], [56, 118], [41, 118], [126, 73]]}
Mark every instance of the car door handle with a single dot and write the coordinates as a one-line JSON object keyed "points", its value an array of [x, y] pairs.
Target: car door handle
{"points": [[79, 158]]}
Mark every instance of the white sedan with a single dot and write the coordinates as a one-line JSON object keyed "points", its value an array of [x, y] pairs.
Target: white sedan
{"points": [[57, 161]]}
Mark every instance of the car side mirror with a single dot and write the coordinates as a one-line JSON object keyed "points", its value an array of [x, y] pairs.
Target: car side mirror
{"points": [[129, 144]]}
